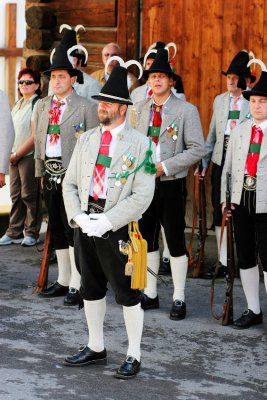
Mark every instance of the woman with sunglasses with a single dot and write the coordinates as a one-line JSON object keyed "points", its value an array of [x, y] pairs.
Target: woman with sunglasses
{"points": [[25, 213]]}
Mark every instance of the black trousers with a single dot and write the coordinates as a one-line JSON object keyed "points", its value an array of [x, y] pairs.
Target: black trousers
{"points": [[216, 175], [99, 261], [61, 232], [167, 209], [250, 233]]}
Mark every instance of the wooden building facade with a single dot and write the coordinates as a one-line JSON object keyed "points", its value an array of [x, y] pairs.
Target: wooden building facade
{"points": [[207, 34]]}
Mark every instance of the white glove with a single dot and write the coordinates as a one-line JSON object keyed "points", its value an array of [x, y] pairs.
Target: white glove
{"points": [[99, 224], [85, 223]]}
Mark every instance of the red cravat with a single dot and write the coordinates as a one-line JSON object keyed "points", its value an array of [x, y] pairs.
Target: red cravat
{"points": [[156, 120], [253, 156], [99, 172], [234, 108]]}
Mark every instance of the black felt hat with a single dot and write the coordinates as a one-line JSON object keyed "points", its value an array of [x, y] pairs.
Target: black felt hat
{"points": [[260, 89], [115, 89], [160, 64], [70, 41], [238, 66], [60, 61]]}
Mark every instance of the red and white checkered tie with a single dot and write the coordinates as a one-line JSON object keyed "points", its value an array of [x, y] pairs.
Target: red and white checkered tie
{"points": [[99, 172]]}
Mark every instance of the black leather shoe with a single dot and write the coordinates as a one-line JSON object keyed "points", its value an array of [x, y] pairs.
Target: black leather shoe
{"points": [[86, 356], [129, 369], [149, 304], [73, 298], [247, 319], [211, 272], [178, 310], [55, 290], [165, 267]]}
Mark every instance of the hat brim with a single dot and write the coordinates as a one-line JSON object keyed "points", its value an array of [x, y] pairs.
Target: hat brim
{"points": [[146, 72], [247, 93], [252, 77], [74, 71], [112, 99]]}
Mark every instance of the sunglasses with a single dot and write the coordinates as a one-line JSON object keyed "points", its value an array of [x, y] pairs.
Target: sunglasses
{"points": [[27, 82]]}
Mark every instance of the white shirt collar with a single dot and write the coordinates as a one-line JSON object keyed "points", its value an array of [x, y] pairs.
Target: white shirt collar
{"points": [[114, 132], [262, 125]]}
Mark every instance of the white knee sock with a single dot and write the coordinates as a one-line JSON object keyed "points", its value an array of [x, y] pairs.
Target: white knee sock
{"points": [[265, 280], [95, 313], [223, 254], [134, 320], [153, 263], [75, 277], [166, 252], [179, 267], [64, 268], [250, 281]]}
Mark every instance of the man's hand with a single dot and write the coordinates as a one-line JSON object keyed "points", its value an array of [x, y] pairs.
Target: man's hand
{"points": [[2, 180], [229, 212], [13, 159], [99, 224], [160, 170], [85, 223], [202, 175]]}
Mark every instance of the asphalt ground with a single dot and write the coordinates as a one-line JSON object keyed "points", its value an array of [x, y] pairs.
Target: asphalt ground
{"points": [[196, 359]]}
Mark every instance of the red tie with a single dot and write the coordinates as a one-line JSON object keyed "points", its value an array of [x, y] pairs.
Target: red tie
{"points": [[149, 93], [156, 120], [254, 152], [99, 172]]}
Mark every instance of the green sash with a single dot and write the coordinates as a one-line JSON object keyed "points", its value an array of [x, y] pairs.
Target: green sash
{"points": [[254, 147], [53, 129], [154, 131], [234, 114], [103, 160]]}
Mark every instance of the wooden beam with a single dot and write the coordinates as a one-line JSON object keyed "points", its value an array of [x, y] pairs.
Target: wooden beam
{"points": [[11, 12], [11, 52]]}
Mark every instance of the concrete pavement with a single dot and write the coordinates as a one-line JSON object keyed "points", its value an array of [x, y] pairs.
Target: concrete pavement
{"points": [[196, 359]]}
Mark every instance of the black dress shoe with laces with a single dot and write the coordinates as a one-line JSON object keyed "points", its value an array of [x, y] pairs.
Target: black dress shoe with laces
{"points": [[222, 272], [86, 356], [247, 319], [165, 267], [129, 369], [149, 304], [73, 298], [55, 290], [178, 310]]}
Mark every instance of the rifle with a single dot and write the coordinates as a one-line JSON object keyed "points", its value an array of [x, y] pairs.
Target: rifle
{"points": [[43, 274], [228, 314], [199, 207]]}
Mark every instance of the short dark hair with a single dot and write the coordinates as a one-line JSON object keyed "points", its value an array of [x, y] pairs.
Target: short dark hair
{"points": [[36, 76]]}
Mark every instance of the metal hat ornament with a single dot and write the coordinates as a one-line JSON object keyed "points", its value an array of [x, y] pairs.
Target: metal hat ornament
{"points": [[260, 89], [116, 89]]}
